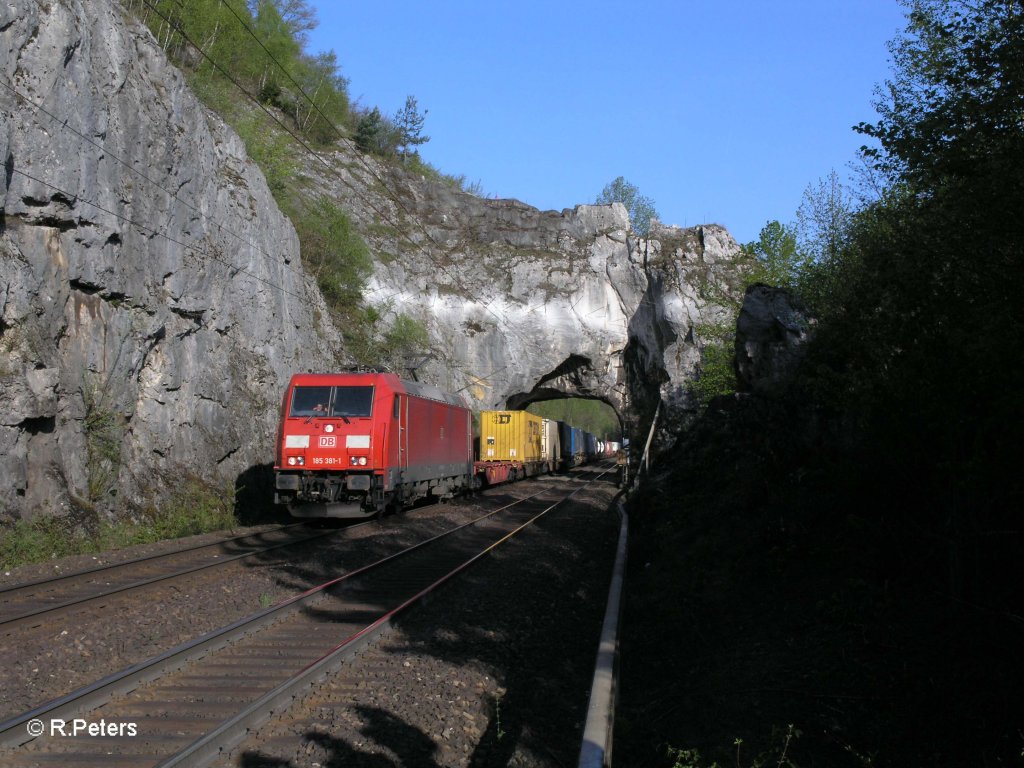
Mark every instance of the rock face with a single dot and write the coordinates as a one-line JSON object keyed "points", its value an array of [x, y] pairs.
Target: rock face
{"points": [[771, 335], [525, 305], [152, 301]]}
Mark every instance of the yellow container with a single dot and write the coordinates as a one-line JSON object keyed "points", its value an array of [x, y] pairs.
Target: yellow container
{"points": [[510, 436]]}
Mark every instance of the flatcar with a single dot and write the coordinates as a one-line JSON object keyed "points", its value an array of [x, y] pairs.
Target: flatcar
{"points": [[358, 444]]}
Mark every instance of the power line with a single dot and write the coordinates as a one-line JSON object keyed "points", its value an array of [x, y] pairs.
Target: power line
{"points": [[383, 215], [394, 198], [144, 228], [177, 28], [154, 231], [66, 125]]}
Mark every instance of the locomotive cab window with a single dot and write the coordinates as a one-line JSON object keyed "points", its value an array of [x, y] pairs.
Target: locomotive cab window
{"points": [[352, 401], [313, 402], [310, 401]]}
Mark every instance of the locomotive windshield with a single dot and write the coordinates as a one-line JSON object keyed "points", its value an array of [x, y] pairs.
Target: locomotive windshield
{"points": [[331, 401], [352, 401]]}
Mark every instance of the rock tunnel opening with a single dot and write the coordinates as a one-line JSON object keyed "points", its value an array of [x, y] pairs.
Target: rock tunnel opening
{"points": [[593, 414], [574, 392]]}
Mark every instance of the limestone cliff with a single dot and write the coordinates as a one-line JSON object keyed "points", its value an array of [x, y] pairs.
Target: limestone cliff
{"points": [[152, 300], [526, 305]]}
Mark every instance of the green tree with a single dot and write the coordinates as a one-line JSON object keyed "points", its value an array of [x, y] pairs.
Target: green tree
{"points": [[335, 253], [375, 133], [824, 219], [924, 292], [282, 50], [779, 261], [953, 107], [327, 110], [594, 416], [299, 15], [409, 122], [641, 208], [403, 342]]}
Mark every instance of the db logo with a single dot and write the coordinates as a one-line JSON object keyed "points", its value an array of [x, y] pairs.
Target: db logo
{"points": [[328, 441]]}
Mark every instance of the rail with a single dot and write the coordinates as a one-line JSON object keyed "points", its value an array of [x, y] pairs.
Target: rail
{"points": [[295, 621], [40, 607]]}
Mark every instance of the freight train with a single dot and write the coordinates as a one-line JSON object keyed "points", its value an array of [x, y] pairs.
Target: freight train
{"points": [[361, 444]]}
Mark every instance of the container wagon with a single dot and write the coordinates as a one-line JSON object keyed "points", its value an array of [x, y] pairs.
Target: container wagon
{"points": [[550, 445], [571, 445], [511, 445]]}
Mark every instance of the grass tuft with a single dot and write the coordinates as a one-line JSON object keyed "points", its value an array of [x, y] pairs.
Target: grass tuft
{"points": [[195, 506]]}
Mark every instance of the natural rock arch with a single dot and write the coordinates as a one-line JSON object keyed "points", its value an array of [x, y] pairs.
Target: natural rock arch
{"points": [[528, 305]]}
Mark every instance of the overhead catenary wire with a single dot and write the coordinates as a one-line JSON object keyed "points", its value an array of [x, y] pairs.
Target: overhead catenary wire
{"points": [[307, 279], [305, 145], [72, 196], [341, 135], [391, 196], [198, 251], [441, 267], [64, 124]]}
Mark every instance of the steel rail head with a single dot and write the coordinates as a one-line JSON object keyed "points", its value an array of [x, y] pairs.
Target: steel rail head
{"points": [[13, 732], [57, 608], [221, 740], [134, 561]]}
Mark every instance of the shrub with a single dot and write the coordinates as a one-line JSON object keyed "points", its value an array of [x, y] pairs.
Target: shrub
{"points": [[334, 252]]}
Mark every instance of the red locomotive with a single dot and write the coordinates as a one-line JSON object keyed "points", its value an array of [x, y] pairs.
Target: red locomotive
{"points": [[357, 444]]}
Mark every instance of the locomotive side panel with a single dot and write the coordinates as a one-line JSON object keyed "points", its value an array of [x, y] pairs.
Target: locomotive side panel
{"points": [[439, 440]]}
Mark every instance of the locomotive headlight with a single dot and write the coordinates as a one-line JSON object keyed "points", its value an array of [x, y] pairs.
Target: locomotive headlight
{"points": [[362, 461], [291, 461], [329, 428], [302, 461], [353, 461]]}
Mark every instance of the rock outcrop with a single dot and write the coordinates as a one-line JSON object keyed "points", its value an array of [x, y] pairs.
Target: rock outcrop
{"points": [[525, 305], [152, 300], [772, 331]]}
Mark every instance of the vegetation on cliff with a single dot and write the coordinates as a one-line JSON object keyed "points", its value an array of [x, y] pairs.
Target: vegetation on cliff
{"points": [[248, 62], [837, 572]]}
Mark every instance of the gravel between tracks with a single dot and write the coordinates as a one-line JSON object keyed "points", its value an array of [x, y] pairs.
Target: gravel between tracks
{"points": [[42, 663], [495, 670], [462, 694]]}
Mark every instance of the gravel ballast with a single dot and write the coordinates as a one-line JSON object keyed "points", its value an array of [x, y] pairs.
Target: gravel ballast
{"points": [[42, 663], [494, 670]]}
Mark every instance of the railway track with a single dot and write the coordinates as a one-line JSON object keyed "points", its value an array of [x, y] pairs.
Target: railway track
{"points": [[190, 704], [31, 604]]}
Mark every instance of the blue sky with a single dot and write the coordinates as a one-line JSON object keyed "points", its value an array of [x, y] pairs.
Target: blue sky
{"points": [[719, 111]]}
